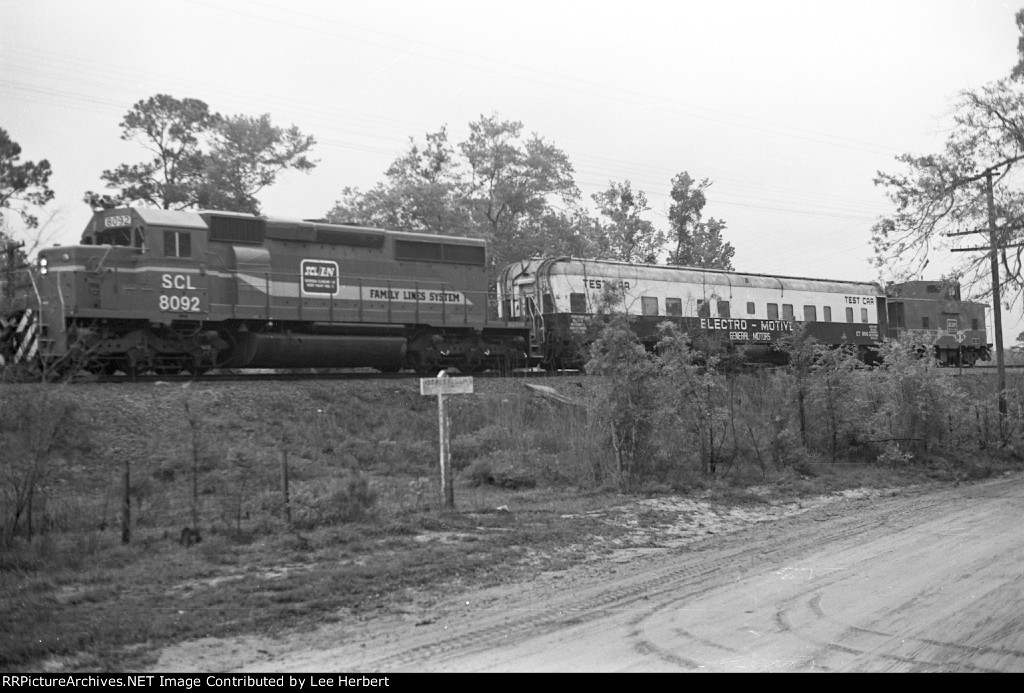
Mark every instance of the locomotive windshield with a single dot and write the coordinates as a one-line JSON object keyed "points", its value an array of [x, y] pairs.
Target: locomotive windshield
{"points": [[123, 236]]}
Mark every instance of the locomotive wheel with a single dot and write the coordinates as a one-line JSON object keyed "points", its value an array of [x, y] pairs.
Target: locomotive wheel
{"points": [[195, 369], [167, 370], [424, 363]]}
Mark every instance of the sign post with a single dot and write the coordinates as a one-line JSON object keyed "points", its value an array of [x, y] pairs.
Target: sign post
{"points": [[442, 386]]}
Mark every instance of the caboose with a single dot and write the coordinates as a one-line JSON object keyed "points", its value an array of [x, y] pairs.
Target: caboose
{"points": [[746, 314], [165, 291], [934, 317]]}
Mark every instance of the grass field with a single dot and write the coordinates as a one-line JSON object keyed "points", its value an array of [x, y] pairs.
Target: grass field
{"points": [[364, 529]]}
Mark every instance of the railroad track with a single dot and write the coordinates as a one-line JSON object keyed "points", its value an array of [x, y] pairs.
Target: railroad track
{"points": [[292, 376]]}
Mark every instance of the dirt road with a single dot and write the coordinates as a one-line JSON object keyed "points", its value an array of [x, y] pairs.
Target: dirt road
{"points": [[920, 582]]}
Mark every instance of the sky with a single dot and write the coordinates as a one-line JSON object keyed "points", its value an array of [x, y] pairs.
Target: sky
{"points": [[789, 107]]}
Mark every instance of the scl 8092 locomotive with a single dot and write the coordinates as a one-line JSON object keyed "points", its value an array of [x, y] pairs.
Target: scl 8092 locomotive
{"points": [[743, 314], [152, 290]]}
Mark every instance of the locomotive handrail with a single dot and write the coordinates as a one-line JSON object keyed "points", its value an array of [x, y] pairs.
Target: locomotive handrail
{"points": [[99, 264]]}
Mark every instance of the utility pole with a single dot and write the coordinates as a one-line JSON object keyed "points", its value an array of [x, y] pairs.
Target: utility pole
{"points": [[997, 314], [993, 248]]}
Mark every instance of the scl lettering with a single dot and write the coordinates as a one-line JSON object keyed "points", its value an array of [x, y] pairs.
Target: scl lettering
{"points": [[177, 281]]}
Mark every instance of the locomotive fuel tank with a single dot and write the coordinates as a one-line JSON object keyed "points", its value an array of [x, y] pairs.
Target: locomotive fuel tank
{"points": [[279, 350]]}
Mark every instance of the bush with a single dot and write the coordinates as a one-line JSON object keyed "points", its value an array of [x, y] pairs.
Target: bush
{"points": [[331, 501], [44, 433], [502, 469]]}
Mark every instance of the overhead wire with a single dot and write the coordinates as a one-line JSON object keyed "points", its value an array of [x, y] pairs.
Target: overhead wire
{"points": [[365, 132]]}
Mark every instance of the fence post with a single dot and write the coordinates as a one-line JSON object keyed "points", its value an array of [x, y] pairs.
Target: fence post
{"points": [[126, 507], [284, 487]]}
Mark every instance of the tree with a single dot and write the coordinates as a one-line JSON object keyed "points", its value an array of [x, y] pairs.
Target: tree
{"points": [[513, 183], [247, 155], [698, 243], [423, 191], [22, 186], [626, 236], [494, 185], [1018, 69], [1018, 346], [175, 131], [201, 158], [944, 196]]}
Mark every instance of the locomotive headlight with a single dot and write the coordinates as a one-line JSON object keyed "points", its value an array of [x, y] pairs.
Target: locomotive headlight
{"points": [[65, 257], [43, 262]]}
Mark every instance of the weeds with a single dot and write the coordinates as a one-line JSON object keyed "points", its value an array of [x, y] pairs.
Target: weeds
{"points": [[364, 519]]}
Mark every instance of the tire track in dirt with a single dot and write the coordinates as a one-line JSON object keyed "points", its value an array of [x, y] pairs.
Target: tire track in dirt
{"points": [[801, 618], [650, 585]]}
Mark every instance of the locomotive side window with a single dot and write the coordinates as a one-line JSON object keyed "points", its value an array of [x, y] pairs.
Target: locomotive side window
{"points": [[924, 322], [577, 303], [849, 315], [810, 314], [773, 311], [649, 305], [703, 308], [974, 324], [827, 311], [548, 303], [863, 314], [674, 307], [177, 244], [787, 311], [750, 307], [723, 309]]}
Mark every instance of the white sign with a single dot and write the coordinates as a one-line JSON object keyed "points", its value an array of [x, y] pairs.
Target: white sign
{"points": [[446, 386]]}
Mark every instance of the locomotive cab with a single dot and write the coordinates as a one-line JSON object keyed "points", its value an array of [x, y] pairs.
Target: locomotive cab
{"points": [[933, 317]]}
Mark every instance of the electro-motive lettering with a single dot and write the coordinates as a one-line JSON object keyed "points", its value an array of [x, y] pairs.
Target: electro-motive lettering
{"points": [[738, 324]]}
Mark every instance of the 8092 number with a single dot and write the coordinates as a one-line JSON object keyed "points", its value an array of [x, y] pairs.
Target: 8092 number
{"points": [[180, 304]]}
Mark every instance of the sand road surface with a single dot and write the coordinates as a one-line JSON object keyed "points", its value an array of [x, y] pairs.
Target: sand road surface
{"points": [[927, 581]]}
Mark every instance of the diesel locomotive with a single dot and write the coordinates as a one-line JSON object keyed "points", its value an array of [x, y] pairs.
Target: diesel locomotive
{"points": [[934, 317], [162, 291]]}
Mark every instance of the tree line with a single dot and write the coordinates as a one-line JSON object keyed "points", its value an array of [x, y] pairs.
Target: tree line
{"points": [[515, 190]]}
